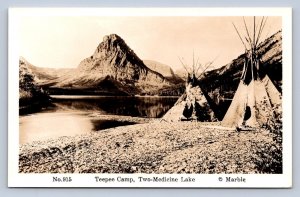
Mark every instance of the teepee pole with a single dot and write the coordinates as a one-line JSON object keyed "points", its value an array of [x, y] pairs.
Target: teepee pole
{"points": [[239, 36], [205, 70], [193, 62], [244, 68], [198, 66], [252, 65], [250, 41], [209, 64], [254, 46], [263, 26], [183, 66], [259, 31]]}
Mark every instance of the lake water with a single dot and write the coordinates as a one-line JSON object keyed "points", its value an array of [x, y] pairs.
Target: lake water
{"points": [[70, 115]]}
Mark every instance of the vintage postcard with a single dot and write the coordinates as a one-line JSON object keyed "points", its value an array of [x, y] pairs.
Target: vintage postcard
{"points": [[150, 97]]}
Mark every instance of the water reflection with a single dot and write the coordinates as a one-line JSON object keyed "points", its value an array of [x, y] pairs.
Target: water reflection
{"points": [[151, 107], [105, 124], [70, 116]]}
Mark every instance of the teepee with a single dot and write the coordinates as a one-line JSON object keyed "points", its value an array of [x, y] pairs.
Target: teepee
{"points": [[256, 98], [194, 104]]}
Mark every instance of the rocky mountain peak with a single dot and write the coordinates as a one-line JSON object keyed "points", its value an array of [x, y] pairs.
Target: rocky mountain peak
{"points": [[113, 45], [22, 60], [111, 37], [114, 58]]}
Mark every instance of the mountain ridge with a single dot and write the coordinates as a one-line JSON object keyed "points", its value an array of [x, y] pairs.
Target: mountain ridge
{"points": [[31, 95], [221, 84], [165, 70], [114, 63], [113, 58]]}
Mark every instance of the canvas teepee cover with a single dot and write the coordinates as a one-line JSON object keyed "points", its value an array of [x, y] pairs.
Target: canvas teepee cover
{"points": [[192, 105], [256, 98]]}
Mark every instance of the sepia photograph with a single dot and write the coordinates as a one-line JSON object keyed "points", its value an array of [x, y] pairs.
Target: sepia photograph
{"points": [[150, 94]]}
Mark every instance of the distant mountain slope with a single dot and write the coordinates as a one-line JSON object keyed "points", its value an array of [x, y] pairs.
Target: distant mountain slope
{"points": [[44, 75], [182, 73], [163, 69], [222, 83], [112, 60], [29, 91], [114, 69]]}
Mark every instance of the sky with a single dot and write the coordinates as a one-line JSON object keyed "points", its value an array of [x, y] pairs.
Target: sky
{"points": [[63, 41]]}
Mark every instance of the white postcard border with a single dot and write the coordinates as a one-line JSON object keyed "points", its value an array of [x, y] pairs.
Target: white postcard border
{"points": [[16, 179]]}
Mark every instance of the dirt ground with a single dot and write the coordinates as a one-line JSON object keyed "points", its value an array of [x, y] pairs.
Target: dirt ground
{"points": [[156, 147]]}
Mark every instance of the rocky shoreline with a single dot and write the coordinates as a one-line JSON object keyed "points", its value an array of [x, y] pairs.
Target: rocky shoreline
{"points": [[156, 147]]}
